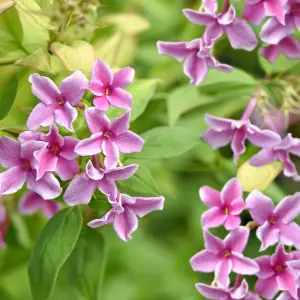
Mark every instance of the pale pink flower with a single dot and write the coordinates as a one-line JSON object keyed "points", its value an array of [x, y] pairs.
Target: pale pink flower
{"points": [[57, 104], [32, 202], [125, 211], [4, 224], [225, 206], [222, 257], [109, 137], [108, 87], [21, 162]]}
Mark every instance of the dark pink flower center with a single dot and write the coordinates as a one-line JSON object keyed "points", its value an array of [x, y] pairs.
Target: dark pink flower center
{"points": [[272, 220], [107, 134], [27, 165], [61, 101], [226, 211], [54, 149], [279, 268], [226, 253], [107, 91]]}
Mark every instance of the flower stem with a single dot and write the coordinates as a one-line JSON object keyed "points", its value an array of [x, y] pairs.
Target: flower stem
{"points": [[238, 280], [225, 6]]}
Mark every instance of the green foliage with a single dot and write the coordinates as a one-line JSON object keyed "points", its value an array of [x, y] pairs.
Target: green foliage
{"points": [[51, 251]]}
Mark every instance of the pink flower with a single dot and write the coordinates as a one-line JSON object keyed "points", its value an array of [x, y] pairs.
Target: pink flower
{"points": [[125, 211], [276, 275], [83, 186], [109, 137], [273, 31], [275, 224], [288, 46], [256, 10], [223, 131], [288, 296], [239, 32], [56, 104], [197, 57], [4, 224], [32, 202], [20, 162], [58, 156], [280, 151], [222, 257], [225, 205], [240, 292], [108, 87]]}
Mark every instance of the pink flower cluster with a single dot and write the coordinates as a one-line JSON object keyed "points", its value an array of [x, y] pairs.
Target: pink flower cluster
{"points": [[275, 225], [283, 17], [37, 157]]}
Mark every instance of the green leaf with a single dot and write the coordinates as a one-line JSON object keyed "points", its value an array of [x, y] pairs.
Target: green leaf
{"points": [[80, 55], [165, 142], [39, 60], [5, 5], [87, 265], [281, 65], [142, 90], [8, 92], [51, 251], [140, 184]]}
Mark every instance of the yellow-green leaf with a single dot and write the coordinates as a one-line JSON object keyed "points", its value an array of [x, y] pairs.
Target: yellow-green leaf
{"points": [[258, 178], [128, 23], [80, 55], [39, 60]]}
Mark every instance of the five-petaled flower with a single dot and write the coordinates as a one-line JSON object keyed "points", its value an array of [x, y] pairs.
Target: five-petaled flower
{"points": [[225, 206], [109, 137], [58, 156], [275, 224], [32, 202], [276, 274], [223, 131], [124, 213], [20, 161], [280, 151], [108, 87], [222, 257], [83, 186], [240, 292], [57, 104]]}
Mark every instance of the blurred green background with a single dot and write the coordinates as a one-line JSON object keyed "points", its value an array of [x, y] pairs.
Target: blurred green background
{"points": [[155, 264]]}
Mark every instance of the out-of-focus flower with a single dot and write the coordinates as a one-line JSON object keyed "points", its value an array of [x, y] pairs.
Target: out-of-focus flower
{"points": [[273, 31], [223, 131], [125, 211], [238, 31], [276, 224], [32, 202], [196, 56], [276, 275], [4, 224], [21, 162], [225, 206], [109, 137], [57, 104], [289, 47], [58, 156], [222, 257], [280, 151], [256, 10], [108, 87], [216, 293], [83, 186]]}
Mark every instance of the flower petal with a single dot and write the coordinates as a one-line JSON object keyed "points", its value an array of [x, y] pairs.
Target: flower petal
{"points": [[211, 292], [80, 190], [232, 222], [231, 191], [66, 169], [213, 243], [197, 17], [204, 261], [48, 186], [125, 224], [195, 68], [10, 152], [290, 47], [217, 139], [275, 8], [213, 217], [260, 206], [268, 235], [144, 206], [111, 152], [90, 146], [263, 157], [123, 78], [120, 98], [177, 50], [121, 173], [209, 196], [243, 265], [67, 151], [96, 120], [237, 206], [288, 208], [53, 137], [102, 72], [241, 291], [41, 115], [73, 87], [287, 281], [65, 116], [238, 143], [210, 6], [267, 288], [237, 239], [50, 208], [290, 234], [254, 13], [27, 136], [271, 53], [44, 88], [109, 188], [30, 203], [129, 142], [108, 218], [223, 269], [265, 268], [101, 103], [46, 162], [263, 138], [12, 180], [227, 17]]}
